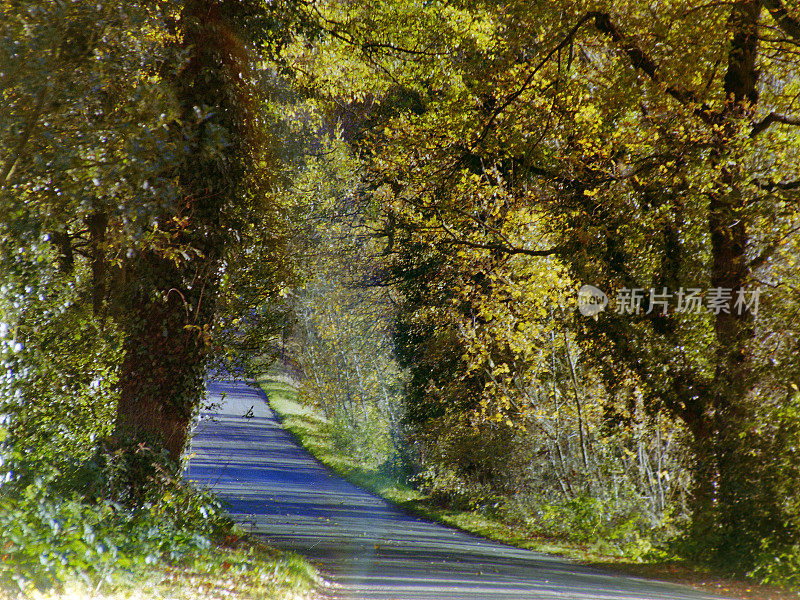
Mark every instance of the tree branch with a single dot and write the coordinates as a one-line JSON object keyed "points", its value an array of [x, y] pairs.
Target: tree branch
{"points": [[767, 252], [366, 46], [640, 59], [781, 185], [789, 24], [11, 162], [510, 250], [770, 119], [525, 84], [372, 45], [762, 258], [637, 56]]}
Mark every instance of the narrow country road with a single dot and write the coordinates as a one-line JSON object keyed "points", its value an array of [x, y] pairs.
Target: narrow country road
{"points": [[370, 549]]}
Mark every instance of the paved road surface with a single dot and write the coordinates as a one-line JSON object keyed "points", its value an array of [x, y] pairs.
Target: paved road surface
{"points": [[370, 549]]}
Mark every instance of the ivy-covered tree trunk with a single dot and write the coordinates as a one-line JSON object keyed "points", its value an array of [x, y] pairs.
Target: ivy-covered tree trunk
{"points": [[724, 496], [161, 380], [170, 290]]}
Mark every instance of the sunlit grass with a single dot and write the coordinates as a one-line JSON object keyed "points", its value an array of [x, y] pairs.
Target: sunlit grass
{"points": [[308, 425], [249, 570]]}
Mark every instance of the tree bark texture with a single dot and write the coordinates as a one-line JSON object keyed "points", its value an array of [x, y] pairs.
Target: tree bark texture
{"points": [[170, 294]]}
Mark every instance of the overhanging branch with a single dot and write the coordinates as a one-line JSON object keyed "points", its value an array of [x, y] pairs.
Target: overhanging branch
{"points": [[771, 186], [503, 249], [788, 24], [642, 61], [770, 119]]}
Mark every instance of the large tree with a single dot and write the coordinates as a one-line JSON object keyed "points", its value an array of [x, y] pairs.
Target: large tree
{"points": [[698, 149], [224, 218], [86, 156], [643, 147], [170, 290], [137, 177]]}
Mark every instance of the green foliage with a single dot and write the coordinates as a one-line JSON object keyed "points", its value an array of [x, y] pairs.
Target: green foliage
{"points": [[457, 170], [585, 519], [341, 342], [367, 437], [552, 144], [57, 526], [778, 566], [517, 519], [179, 544], [84, 125], [136, 187]]}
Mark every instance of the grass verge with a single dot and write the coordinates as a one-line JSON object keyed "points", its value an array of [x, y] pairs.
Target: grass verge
{"points": [[246, 569], [90, 534], [309, 428]]}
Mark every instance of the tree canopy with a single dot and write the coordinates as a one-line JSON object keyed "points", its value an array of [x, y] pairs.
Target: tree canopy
{"points": [[447, 176], [519, 150]]}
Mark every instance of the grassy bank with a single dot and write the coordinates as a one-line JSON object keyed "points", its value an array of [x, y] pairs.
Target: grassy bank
{"points": [[72, 539], [310, 428], [248, 571]]}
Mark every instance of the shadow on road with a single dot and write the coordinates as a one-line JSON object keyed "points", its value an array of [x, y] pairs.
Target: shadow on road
{"points": [[371, 549]]}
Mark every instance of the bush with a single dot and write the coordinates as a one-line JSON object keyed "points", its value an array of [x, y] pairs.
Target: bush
{"points": [[609, 526], [53, 530], [778, 566], [450, 489], [366, 436]]}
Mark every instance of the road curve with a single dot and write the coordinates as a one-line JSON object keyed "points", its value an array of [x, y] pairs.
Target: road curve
{"points": [[370, 549]]}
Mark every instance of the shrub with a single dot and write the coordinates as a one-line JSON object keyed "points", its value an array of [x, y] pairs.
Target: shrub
{"points": [[778, 566], [52, 529]]}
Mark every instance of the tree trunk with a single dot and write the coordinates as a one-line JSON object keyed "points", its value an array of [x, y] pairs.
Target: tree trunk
{"points": [[97, 223], [161, 380], [170, 296], [721, 509]]}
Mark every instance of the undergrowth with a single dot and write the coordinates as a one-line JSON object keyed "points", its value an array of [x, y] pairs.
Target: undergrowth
{"points": [[581, 529], [89, 528]]}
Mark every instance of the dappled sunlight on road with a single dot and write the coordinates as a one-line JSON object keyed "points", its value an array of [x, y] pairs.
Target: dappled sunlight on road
{"points": [[371, 549]]}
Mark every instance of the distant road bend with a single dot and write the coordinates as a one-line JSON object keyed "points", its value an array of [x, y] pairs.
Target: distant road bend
{"points": [[370, 549]]}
